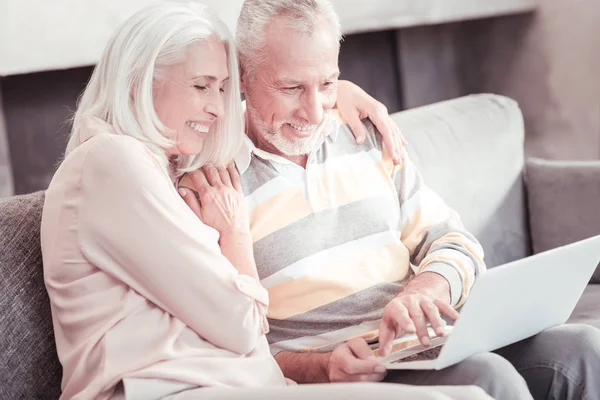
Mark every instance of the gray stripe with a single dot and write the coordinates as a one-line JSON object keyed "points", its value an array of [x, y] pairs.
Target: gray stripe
{"points": [[366, 305], [324, 230], [345, 143], [258, 173], [404, 175], [435, 232], [457, 247]]}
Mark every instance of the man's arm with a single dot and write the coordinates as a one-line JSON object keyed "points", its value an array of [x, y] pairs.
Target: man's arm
{"points": [[304, 367], [352, 361], [435, 236]]}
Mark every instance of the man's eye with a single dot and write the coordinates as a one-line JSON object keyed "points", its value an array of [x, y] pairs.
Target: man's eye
{"points": [[293, 88], [202, 88], [222, 90]]}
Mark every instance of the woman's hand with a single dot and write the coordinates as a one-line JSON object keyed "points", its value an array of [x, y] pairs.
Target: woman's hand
{"points": [[354, 104], [220, 202], [220, 205]]}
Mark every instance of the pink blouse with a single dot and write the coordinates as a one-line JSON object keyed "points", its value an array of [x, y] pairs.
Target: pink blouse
{"points": [[138, 286]]}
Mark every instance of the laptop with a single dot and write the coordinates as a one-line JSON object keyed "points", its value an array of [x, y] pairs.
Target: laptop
{"points": [[507, 304]]}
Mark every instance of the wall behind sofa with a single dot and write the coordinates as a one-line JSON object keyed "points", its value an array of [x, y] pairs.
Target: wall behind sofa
{"points": [[550, 65]]}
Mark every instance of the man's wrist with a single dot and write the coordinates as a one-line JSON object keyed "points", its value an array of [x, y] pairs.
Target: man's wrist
{"points": [[325, 366], [430, 283]]}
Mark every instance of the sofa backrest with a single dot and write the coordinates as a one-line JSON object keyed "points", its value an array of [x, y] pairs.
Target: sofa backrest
{"points": [[30, 368], [470, 151]]}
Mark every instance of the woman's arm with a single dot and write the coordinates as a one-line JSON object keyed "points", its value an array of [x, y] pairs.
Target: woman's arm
{"points": [[136, 227], [354, 104], [221, 206]]}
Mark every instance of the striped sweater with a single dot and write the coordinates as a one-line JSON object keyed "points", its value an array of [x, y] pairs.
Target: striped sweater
{"points": [[335, 242]]}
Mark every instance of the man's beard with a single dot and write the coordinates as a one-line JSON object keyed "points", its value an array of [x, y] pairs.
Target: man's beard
{"points": [[274, 136]]}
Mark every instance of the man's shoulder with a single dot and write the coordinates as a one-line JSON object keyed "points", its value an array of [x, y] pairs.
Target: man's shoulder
{"points": [[342, 137]]}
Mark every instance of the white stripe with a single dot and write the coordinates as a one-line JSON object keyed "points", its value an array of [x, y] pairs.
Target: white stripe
{"points": [[342, 162], [324, 338], [425, 198], [312, 263], [266, 191]]}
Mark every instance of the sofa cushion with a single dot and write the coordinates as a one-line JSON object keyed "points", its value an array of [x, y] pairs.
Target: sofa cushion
{"points": [[30, 368], [470, 151], [587, 309], [564, 202]]}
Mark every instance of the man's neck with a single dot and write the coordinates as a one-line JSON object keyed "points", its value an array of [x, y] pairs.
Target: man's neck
{"points": [[263, 145]]}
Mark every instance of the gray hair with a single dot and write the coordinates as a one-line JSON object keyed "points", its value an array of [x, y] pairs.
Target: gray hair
{"points": [[120, 90], [256, 15]]}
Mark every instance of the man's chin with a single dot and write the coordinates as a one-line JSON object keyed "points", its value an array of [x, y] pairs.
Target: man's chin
{"points": [[293, 147]]}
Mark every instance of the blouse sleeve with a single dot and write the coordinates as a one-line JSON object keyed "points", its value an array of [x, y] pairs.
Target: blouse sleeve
{"points": [[135, 227]]}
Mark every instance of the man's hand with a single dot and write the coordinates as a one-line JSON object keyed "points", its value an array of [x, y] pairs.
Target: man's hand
{"points": [[353, 361], [354, 104], [424, 300]]}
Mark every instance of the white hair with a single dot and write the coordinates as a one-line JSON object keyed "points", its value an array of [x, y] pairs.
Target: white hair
{"points": [[120, 90], [302, 16]]}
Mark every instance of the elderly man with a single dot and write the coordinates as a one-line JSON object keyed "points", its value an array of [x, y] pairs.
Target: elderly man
{"points": [[336, 227]]}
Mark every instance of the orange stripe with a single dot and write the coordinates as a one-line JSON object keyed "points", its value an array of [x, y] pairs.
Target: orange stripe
{"points": [[328, 191], [339, 280], [278, 212], [352, 184]]}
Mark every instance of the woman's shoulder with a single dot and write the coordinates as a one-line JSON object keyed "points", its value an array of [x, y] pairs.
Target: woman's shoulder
{"points": [[119, 153]]}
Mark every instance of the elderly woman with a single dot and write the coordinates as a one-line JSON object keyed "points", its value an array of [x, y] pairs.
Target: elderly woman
{"points": [[149, 297]]}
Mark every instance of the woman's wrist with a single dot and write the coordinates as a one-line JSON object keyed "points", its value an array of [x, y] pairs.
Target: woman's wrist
{"points": [[236, 246]]}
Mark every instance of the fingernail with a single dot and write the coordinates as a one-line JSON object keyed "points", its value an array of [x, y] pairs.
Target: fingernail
{"points": [[380, 369], [182, 192], [425, 340], [411, 328]]}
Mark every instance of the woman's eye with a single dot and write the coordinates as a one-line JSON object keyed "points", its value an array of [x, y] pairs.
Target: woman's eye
{"points": [[222, 90], [202, 88], [292, 89]]}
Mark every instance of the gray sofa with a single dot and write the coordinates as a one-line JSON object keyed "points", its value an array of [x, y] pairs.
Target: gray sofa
{"points": [[470, 150]]}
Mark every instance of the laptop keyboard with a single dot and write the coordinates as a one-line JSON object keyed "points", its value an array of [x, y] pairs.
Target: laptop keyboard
{"points": [[426, 355]]}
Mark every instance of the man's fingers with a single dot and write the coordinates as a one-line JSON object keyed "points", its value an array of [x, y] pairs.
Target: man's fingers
{"points": [[416, 313], [447, 310], [387, 335], [363, 367], [432, 313], [357, 128], [360, 348], [235, 177]]}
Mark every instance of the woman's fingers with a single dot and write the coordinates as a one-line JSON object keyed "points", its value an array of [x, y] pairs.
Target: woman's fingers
{"points": [[212, 175], [190, 199], [224, 176], [234, 176]]}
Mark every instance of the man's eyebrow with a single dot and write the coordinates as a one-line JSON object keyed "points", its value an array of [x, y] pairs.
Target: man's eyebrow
{"points": [[335, 75], [294, 82], [288, 82]]}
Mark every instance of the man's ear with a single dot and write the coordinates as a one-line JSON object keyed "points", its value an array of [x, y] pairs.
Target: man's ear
{"points": [[242, 80]]}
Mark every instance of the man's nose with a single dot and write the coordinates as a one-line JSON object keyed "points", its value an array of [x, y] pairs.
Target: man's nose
{"points": [[312, 107]]}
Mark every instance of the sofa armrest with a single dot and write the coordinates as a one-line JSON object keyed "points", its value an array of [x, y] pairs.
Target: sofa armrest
{"points": [[564, 203]]}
